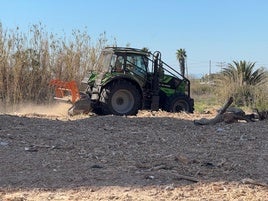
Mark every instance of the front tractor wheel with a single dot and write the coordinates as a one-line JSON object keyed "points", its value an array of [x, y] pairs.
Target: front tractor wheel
{"points": [[120, 98], [179, 104]]}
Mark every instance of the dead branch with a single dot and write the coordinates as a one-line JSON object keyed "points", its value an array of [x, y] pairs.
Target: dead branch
{"points": [[226, 105], [232, 115], [219, 117], [262, 114], [189, 178]]}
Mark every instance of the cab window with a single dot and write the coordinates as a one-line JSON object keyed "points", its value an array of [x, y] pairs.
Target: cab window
{"points": [[137, 64], [117, 63]]}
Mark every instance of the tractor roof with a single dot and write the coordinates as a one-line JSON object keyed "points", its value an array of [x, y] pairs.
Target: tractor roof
{"points": [[126, 50]]}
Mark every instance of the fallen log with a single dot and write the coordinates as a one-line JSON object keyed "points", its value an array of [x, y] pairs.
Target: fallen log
{"points": [[184, 177], [219, 116], [229, 115]]}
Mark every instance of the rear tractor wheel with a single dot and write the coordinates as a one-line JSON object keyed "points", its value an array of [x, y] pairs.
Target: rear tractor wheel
{"points": [[120, 98]]}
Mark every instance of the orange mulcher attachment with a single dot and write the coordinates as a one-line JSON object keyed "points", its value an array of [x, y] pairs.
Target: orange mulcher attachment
{"points": [[63, 90]]}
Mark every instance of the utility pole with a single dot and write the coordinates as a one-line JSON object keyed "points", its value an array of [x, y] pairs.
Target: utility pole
{"points": [[221, 64], [209, 71]]}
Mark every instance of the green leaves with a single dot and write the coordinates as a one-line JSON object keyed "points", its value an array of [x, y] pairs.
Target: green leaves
{"points": [[181, 55], [240, 80], [242, 73]]}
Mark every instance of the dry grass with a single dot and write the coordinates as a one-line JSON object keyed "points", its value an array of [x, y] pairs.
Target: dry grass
{"points": [[30, 60]]}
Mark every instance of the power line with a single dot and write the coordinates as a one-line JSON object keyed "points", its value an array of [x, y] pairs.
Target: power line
{"points": [[221, 64]]}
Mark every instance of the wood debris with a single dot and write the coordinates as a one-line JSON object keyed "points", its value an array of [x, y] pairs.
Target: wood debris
{"points": [[232, 115]]}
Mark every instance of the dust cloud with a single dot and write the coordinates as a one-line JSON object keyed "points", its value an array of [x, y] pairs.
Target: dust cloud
{"points": [[55, 109]]}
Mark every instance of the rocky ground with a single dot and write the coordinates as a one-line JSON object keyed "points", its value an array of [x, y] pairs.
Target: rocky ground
{"points": [[46, 155]]}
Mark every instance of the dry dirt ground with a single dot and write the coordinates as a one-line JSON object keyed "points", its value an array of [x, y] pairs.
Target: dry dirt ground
{"points": [[46, 155]]}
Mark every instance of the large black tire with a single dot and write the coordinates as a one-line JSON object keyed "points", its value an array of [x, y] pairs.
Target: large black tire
{"points": [[178, 103], [120, 98]]}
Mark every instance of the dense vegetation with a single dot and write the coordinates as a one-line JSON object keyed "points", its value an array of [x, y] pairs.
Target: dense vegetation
{"points": [[28, 61], [239, 79]]}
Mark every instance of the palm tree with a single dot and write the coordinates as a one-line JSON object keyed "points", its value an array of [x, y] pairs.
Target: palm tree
{"points": [[242, 73], [181, 56], [146, 49], [239, 79]]}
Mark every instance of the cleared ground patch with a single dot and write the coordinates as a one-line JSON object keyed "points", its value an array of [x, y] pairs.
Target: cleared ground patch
{"points": [[152, 156]]}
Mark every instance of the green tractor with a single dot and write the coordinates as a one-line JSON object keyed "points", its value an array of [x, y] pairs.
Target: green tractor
{"points": [[126, 80]]}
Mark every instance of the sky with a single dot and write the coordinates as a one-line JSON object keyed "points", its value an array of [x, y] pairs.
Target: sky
{"points": [[213, 32]]}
